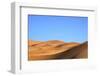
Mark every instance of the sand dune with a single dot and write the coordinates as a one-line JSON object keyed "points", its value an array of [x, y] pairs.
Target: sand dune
{"points": [[83, 51], [56, 49], [32, 43], [80, 51]]}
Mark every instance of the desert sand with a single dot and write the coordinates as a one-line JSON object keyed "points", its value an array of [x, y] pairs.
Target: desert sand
{"points": [[56, 49]]}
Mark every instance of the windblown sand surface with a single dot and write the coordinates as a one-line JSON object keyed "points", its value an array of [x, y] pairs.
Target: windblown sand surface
{"points": [[56, 49]]}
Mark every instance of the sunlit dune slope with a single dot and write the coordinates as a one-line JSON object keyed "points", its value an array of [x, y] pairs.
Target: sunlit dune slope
{"points": [[32, 43]]}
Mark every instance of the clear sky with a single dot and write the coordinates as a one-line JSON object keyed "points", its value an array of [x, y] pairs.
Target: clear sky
{"points": [[66, 28]]}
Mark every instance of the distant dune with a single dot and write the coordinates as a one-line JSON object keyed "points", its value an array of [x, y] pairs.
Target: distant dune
{"points": [[31, 43], [56, 49]]}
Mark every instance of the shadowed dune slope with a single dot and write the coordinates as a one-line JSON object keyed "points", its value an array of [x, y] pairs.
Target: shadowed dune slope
{"points": [[80, 51]]}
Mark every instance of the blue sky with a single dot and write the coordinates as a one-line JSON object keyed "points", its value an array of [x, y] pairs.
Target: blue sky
{"points": [[66, 28]]}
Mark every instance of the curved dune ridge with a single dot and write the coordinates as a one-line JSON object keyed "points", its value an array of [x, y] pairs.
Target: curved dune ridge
{"points": [[56, 49]]}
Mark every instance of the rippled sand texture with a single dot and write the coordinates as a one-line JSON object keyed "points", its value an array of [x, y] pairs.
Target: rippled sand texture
{"points": [[56, 49]]}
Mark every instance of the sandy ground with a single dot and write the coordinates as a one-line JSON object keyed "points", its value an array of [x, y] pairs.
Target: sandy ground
{"points": [[56, 49]]}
